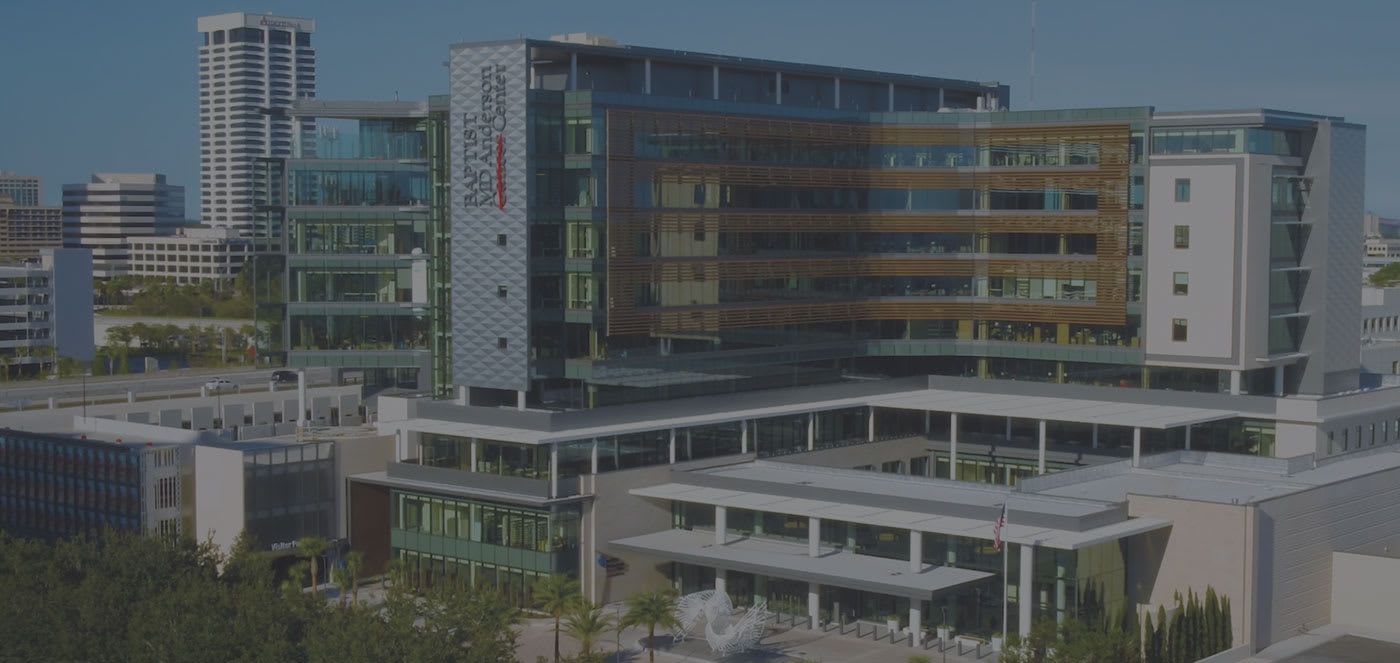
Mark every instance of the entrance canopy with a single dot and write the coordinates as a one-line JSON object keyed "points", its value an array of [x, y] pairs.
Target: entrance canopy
{"points": [[791, 561], [1050, 408]]}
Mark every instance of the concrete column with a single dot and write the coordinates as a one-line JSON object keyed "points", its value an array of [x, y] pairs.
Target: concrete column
{"points": [[870, 426], [461, 394], [573, 71], [673, 446], [779, 88], [646, 68], [1008, 428], [131, 397], [1188, 437], [952, 446], [721, 525], [519, 400], [715, 74], [594, 459], [301, 398], [744, 436], [1278, 380], [53, 403], [811, 430], [814, 537], [927, 423], [838, 94], [1235, 383], [916, 622], [473, 446], [719, 580], [1040, 454], [940, 97], [1024, 591], [553, 470], [1137, 445], [1095, 443], [889, 103], [814, 603], [916, 552]]}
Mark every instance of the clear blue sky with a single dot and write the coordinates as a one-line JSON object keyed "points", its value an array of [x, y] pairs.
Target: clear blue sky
{"points": [[92, 86]]}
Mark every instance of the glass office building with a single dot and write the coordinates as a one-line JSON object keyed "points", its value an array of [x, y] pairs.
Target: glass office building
{"points": [[642, 224], [361, 217]]}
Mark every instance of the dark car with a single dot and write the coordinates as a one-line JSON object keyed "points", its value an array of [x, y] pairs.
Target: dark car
{"points": [[284, 377]]}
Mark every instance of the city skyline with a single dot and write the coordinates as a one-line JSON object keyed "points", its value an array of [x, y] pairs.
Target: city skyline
{"points": [[1331, 63]]}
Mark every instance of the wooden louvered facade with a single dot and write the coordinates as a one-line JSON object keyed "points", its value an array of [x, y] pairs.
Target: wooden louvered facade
{"points": [[627, 174]]}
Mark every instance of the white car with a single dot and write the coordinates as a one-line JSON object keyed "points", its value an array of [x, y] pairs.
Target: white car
{"points": [[220, 384]]}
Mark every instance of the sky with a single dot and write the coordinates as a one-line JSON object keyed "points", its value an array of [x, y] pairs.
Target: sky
{"points": [[91, 86]]}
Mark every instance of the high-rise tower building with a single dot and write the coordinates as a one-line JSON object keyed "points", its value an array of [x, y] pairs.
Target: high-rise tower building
{"points": [[251, 68]]}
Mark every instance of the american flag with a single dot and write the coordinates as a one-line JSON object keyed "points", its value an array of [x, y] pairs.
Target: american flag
{"points": [[996, 529]]}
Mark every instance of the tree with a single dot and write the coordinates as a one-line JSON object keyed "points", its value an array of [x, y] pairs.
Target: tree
{"points": [[557, 594], [653, 609], [1386, 277], [355, 565], [586, 623], [311, 548]]}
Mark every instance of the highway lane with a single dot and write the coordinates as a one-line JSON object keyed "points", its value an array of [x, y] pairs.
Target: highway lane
{"points": [[158, 384]]}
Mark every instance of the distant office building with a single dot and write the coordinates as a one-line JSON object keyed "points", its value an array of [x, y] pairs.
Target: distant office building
{"points": [[190, 255], [25, 229], [1382, 242], [105, 214], [252, 67], [24, 190], [46, 310], [362, 214]]}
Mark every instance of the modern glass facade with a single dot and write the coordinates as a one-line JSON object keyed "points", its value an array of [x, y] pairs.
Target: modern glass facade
{"points": [[55, 487], [787, 229], [364, 224], [501, 547], [289, 493]]}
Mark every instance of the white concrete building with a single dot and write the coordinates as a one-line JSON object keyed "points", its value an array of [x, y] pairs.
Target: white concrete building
{"points": [[252, 67], [104, 214], [190, 255], [46, 310]]}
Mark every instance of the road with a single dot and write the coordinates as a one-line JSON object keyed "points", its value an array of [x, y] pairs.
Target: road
{"points": [[165, 382]]}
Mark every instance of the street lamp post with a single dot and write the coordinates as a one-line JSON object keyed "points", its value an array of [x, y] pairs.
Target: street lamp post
{"points": [[85, 377]]}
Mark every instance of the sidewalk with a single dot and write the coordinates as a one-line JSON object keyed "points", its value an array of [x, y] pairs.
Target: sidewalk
{"points": [[779, 645]]}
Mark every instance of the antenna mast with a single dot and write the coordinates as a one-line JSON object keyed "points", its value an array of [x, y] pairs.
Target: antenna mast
{"points": [[1032, 101]]}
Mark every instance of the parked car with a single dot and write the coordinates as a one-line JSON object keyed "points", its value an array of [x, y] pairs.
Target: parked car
{"points": [[284, 377], [220, 384]]}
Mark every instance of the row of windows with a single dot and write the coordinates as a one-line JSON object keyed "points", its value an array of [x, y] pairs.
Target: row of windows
{"points": [[255, 36], [1363, 435]]}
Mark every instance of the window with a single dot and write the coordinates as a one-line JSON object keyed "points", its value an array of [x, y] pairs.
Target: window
{"points": [[501, 342], [501, 291], [1178, 329], [1181, 237], [1179, 283], [500, 240], [1183, 190]]}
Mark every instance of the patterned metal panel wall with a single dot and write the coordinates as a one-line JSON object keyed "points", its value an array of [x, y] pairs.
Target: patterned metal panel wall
{"points": [[1345, 211], [488, 130]]}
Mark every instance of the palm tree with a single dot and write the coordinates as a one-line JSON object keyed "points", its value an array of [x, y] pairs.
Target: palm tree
{"points": [[586, 622], [341, 578], [354, 564], [311, 548], [556, 595], [653, 609]]}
